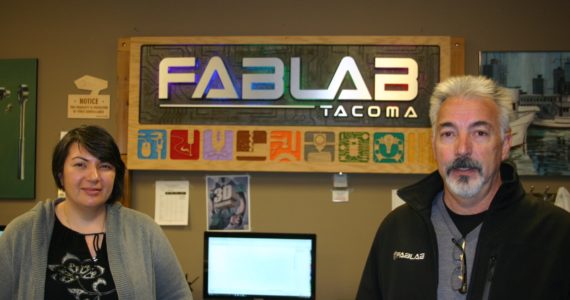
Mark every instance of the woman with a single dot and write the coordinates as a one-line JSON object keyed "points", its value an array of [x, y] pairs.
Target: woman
{"points": [[86, 245]]}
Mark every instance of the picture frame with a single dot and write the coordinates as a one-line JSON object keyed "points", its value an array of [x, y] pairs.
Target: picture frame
{"points": [[228, 203], [540, 123]]}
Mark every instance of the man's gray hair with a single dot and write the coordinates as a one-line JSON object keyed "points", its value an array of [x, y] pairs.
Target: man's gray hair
{"points": [[471, 87]]}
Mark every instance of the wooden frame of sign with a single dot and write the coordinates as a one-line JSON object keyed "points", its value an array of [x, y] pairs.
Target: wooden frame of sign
{"points": [[355, 104]]}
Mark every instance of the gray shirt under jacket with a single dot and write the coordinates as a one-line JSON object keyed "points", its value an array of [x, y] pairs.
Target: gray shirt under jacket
{"points": [[446, 230], [142, 261]]}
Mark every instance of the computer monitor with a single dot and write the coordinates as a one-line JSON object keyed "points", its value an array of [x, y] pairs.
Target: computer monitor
{"points": [[254, 265], [2, 227]]}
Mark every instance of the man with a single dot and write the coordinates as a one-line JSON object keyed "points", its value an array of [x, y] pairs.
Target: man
{"points": [[468, 231]]}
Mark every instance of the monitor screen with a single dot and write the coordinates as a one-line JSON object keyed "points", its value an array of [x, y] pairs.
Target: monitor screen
{"points": [[253, 265]]}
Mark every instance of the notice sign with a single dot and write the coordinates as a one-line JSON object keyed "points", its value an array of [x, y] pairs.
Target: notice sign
{"points": [[92, 105], [88, 107]]}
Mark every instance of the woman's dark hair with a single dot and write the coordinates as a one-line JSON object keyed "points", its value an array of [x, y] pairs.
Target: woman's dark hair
{"points": [[100, 144]]}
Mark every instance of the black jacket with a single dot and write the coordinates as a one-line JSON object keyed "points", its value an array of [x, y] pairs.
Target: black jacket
{"points": [[523, 250]]}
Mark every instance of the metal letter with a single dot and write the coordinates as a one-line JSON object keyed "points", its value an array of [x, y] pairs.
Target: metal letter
{"points": [[410, 79], [296, 91], [392, 112], [215, 65], [275, 78], [165, 77], [357, 111], [348, 65]]}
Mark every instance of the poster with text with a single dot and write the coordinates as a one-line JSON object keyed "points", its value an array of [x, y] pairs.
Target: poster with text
{"points": [[228, 202]]}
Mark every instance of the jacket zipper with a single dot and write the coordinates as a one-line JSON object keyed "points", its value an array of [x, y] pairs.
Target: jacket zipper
{"points": [[434, 250], [489, 278]]}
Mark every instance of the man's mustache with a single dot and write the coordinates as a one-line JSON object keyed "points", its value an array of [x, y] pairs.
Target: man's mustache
{"points": [[464, 162]]}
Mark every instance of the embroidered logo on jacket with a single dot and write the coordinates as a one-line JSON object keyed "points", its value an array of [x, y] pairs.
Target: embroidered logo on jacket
{"points": [[409, 256]]}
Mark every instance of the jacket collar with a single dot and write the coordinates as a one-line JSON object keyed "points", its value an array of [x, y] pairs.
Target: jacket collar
{"points": [[511, 189], [421, 194]]}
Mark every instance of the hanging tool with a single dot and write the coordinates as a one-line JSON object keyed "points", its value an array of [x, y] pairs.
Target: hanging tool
{"points": [[4, 93], [23, 95]]}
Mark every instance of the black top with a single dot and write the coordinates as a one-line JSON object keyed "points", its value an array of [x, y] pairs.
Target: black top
{"points": [[466, 223], [72, 273]]}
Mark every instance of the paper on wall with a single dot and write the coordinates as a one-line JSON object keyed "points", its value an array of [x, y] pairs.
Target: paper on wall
{"points": [[171, 203]]}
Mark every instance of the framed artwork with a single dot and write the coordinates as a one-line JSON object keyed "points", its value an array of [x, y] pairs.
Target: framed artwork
{"points": [[541, 118], [18, 102], [228, 202]]}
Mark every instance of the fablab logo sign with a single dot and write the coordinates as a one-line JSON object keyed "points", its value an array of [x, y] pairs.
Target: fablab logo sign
{"points": [[264, 79]]}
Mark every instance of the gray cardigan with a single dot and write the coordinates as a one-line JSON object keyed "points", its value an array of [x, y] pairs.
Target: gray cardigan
{"points": [[142, 261]]}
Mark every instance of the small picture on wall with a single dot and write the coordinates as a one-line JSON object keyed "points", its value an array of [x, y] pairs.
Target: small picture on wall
{"points": [[228, 202], [540, 123]]}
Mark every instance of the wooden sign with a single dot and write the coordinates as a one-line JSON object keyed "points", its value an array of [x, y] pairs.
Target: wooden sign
{"points": [[290, 104]]}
